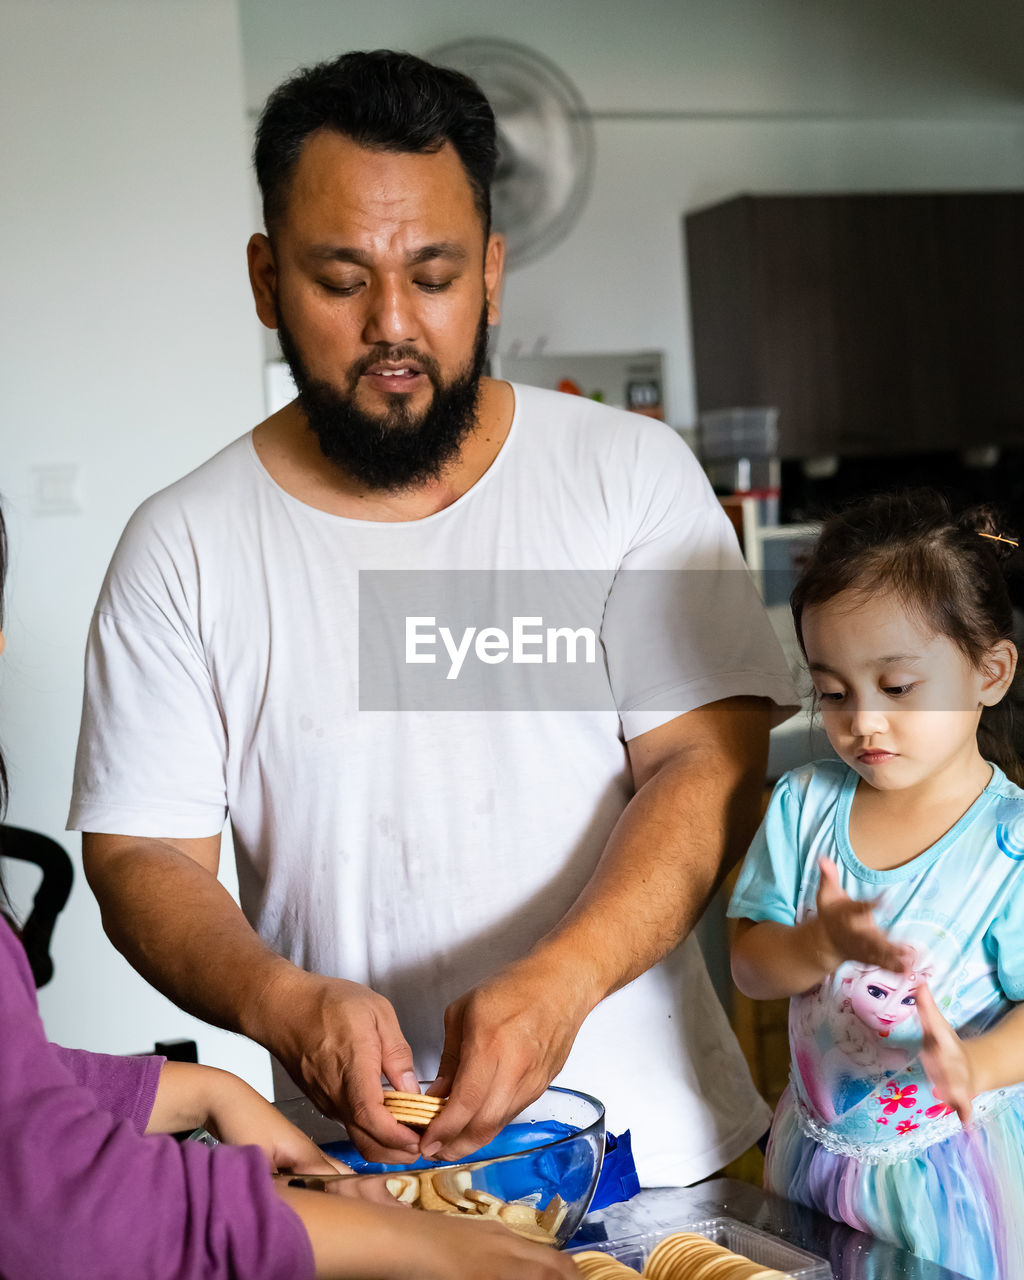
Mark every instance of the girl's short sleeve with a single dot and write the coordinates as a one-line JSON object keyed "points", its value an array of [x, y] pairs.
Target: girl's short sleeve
{"points": [[768, 887], [1006, 933]]}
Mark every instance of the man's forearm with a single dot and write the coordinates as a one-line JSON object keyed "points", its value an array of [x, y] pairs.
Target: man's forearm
{"points": [[682, 831], [181, 929]]}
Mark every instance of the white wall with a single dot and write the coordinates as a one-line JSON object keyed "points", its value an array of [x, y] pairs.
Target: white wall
{"points": [[130, 351], [696, 101]]}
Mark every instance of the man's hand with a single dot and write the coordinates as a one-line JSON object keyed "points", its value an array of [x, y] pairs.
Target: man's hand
{"points": [[164, 908], [336, 1039], [505, 1041], [847, 928], [698, 781], [944, 1057]]}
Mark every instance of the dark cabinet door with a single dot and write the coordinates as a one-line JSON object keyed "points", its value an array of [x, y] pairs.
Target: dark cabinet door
{"points": [[981, 240], [892, 343], [797, 323], [875, 323]]}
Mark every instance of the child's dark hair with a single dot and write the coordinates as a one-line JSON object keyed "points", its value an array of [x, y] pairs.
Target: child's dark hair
{"points": [[948, 568]]}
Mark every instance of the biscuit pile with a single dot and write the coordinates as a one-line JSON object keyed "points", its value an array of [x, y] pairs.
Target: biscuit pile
{"points": [[685, 1255], [451, 1191], [413, 1109]]}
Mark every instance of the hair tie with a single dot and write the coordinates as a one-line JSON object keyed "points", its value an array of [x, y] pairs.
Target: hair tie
{"points": [[995, 537]]}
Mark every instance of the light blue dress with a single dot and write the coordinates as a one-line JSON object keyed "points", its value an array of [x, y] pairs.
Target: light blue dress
{"points": [[858, 1134]]}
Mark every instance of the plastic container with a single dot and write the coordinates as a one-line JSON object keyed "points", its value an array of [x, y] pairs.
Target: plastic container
{"points": [[753, 1243], [739, 433]]}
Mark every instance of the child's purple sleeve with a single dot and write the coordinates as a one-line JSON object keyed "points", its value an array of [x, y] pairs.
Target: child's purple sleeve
{"points": [[126, 1087], [84, 1193]]}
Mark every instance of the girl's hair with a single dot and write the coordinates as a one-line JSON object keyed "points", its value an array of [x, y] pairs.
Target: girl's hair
{"points": [[948, 569]]}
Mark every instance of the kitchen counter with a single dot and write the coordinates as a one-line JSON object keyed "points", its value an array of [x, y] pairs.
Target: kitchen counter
{"points": [[851, 1254]]}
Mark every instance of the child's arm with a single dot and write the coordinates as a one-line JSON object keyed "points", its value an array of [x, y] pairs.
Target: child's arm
{"points": [[352, 1240], [190, 1096], [961, 1069], [771, 960]]}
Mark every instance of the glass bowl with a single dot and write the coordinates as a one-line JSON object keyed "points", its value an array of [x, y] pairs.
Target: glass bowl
{"points": [[537, 1176]]}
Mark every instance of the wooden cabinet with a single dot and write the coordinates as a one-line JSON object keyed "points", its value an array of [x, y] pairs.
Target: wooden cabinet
{"points": [[877, 324]]}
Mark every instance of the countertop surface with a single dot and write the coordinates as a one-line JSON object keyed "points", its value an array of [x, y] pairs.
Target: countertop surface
{"points": [[851, 1254]]}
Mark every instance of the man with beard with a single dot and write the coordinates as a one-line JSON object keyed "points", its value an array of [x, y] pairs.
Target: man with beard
{"points": [[483, 898]]}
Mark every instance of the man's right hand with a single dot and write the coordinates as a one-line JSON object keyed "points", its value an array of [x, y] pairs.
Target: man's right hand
{"points": [[165, 910], [336, 1039]]}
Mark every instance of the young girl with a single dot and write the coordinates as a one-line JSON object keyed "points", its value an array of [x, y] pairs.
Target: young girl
{"points": [[884, 893], [84, 1194]]}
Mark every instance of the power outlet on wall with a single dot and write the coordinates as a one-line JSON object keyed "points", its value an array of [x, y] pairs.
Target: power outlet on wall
{"points": [[56, 489]]}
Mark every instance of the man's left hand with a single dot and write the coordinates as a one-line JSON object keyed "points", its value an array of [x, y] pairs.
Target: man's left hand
{"points": [[698, 782], [505, 1041]]}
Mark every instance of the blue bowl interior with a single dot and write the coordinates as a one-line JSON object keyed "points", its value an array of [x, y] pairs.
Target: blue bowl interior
{"points": [[553, 1159]]}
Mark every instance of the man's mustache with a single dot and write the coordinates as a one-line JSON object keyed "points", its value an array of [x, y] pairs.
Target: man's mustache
{"points": [[393, 355]]}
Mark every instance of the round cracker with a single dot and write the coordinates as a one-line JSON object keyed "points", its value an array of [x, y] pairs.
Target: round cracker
{"points": [[674, 1255], [602, 1266]]}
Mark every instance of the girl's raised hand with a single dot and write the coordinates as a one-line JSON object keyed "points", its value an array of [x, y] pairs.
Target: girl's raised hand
{"points": [[943, 1057], [848, 927]]}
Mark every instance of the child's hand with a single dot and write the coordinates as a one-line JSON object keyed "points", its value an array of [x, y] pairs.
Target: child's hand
{"points": [[450, 1247], [190, 1096], [944, 1057], [353, 1240], [848, 929], [241, 1116]]}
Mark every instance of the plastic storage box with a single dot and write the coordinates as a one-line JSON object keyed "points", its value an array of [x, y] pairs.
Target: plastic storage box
{"points": [[759, 1246]]}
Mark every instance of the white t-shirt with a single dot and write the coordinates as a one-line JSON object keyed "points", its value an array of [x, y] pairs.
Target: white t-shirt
{"points": [[418, 850]]}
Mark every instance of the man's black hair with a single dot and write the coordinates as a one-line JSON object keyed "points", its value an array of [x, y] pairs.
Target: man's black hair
{"points": [[391, 101]]}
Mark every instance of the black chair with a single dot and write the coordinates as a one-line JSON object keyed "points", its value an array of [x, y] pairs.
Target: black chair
{"points": [[37, 931], [52, 859]]}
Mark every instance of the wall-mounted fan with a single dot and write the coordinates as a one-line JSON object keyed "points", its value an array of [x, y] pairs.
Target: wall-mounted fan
{"points": [[545, 141]]}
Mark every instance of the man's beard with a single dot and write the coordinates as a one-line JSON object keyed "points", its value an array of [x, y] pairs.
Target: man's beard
{"points": [[397, 449]]}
